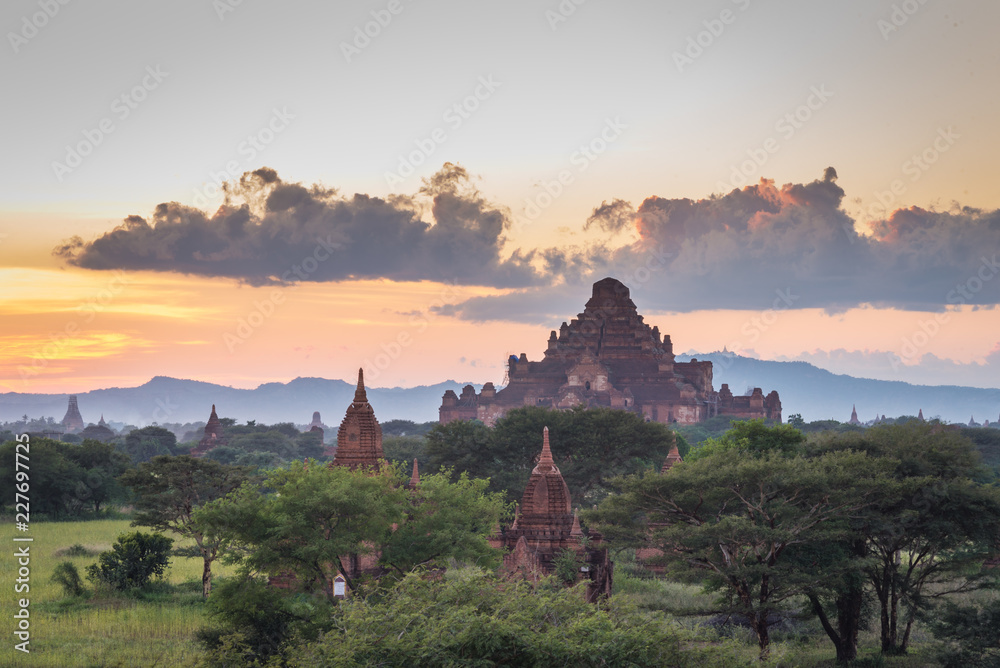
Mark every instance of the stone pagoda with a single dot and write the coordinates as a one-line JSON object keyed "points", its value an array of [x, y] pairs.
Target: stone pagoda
{"points": [[359, 439], [545, 525], [214, 436], [73, 421], [607, 356]]}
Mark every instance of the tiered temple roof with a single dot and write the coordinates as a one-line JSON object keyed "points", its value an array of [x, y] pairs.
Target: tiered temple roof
{"points": [[73, 421], [359, 439], [607, 356], [545, 525], [214, 435]]}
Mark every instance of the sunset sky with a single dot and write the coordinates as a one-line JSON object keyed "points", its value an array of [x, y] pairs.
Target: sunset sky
{"points": [[243, 192]]}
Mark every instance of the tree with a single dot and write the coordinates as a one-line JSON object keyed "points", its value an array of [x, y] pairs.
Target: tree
{"points": [[755, 438], [274, 442], [740, 518], [590, 446], [303, 520], [55, 478], [102, 464], [144, 444], [932, 523], [404, 449], [446, 520], [168, 491], [132, 561], [463, 445], [972, 635]]}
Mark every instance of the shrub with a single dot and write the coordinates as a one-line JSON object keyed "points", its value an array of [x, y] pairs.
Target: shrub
{"points": [[66, 575], [132, 561]]}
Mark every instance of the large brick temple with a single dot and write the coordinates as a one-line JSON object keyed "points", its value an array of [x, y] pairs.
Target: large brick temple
{"points": [[607, 356]]}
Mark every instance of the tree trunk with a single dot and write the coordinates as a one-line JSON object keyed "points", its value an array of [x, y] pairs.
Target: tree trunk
{"points": [[759, 621], [206, 577], [845, 636]]}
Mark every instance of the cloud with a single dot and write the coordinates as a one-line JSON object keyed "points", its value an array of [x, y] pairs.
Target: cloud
{"points": [[269, 231], [742, 249], [613, 217], [736, 250]]}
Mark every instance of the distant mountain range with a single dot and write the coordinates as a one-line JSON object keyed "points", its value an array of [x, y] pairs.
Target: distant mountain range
{"points": [[821, 395], [165, 400], [813, 392]]}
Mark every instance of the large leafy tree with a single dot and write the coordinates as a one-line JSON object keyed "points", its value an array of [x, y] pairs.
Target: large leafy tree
{"points": [[144, 444], [931, 525], [101, 466], [305, 519], [66, 478], [445, 520], [741, 519], [590, 445], [168, 491]]}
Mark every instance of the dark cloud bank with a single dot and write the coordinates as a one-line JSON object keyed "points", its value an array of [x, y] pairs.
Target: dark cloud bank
{"points": [[740, 250]]}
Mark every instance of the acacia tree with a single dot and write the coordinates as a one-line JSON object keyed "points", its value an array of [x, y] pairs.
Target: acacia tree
{"points": [[931, 525], [740, 519], [168, 491]]}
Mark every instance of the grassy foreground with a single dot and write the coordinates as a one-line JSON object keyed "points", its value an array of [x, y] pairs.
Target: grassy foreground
{"points": [[108, 631], [158, 629]]}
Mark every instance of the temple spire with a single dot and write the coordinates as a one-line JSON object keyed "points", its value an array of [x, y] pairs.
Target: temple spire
{"points": [[673, 457], [575, 531], [415, 476], [360, 396], [546, 455]]}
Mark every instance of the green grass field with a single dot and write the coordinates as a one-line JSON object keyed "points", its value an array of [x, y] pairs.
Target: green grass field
{"points": [[108, 631]]}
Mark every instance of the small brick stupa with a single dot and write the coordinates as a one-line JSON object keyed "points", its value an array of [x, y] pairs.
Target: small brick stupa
{"points": [[546, 525], [673, 457], [359, 439], [99, 432], [213, 438], [73, 421]]}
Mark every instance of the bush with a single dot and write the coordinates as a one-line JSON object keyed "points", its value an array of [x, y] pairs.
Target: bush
{"points": [[66, 575], [132, 561]]}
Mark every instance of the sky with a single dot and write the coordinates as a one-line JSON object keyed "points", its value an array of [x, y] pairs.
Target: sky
{"points": [[242, 192]]}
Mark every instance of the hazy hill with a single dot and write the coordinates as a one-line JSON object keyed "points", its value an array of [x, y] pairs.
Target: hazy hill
{"points": [[165, 399], [821, 395], [804, 388]]}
